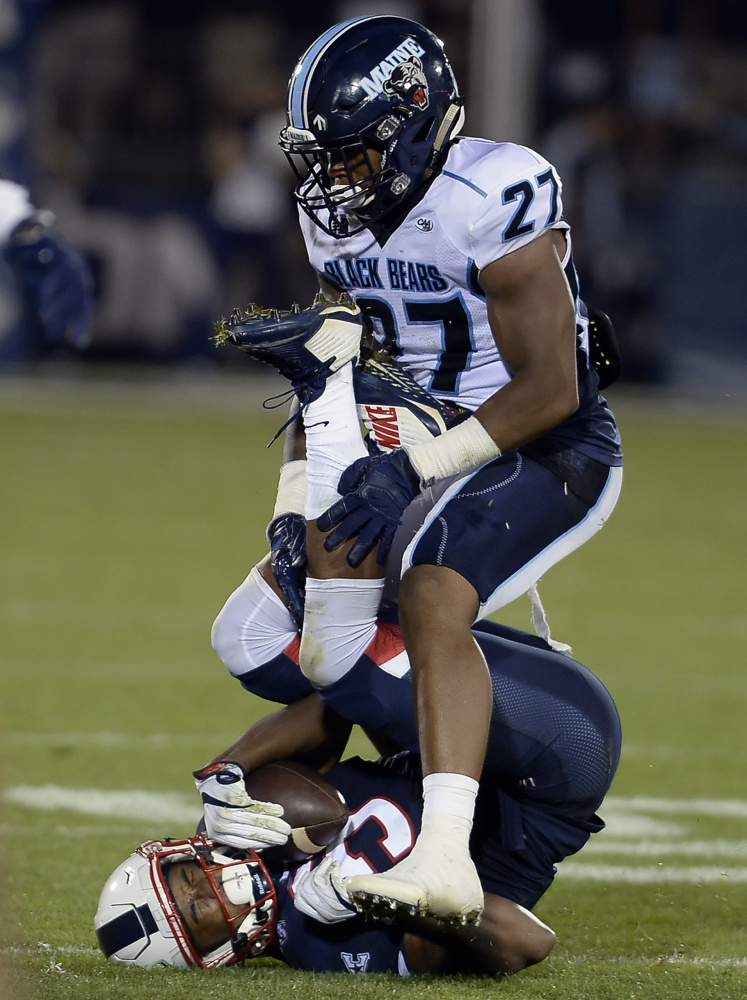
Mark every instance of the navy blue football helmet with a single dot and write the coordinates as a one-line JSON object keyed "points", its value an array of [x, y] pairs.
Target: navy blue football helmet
{"points": [[377, 83]]}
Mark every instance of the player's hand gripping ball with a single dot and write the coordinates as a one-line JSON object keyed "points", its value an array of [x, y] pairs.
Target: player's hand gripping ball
{"points": [[312, 806], [231, 816]]}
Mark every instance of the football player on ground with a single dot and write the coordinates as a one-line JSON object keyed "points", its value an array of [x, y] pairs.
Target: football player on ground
{"points": [[552, 752], [210, 901], [202, 904], [554, 738], [458, 252]]}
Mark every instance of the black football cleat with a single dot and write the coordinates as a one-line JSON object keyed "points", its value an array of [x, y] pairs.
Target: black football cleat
{"points": [[304, 346]]}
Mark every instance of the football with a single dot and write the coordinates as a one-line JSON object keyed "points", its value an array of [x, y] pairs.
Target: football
{"points": [[314, 808]]}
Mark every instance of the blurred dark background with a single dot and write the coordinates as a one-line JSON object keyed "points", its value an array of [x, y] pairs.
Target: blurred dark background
{"points": [[149, 127]]}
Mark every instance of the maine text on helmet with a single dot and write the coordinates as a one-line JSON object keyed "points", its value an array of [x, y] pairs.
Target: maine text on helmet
{"points": [[373, 84]]}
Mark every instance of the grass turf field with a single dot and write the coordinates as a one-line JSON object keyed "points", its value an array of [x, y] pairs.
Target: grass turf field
{"points": [[129, 512]]}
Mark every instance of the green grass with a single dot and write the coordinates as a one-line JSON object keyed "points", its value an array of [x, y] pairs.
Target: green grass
{"points": [[125, 526]]}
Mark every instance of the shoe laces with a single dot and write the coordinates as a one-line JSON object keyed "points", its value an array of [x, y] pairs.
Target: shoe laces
{"points": [[305, 391]]}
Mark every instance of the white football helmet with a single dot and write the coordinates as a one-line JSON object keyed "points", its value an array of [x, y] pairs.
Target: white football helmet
{"points": [[138, 922]]}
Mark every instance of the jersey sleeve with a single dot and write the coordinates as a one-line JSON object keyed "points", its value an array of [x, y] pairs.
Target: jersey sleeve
{"points": [[525, 203]]}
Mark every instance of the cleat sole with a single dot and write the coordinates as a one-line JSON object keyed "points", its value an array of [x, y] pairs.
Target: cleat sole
{"points": [[379, 907]]}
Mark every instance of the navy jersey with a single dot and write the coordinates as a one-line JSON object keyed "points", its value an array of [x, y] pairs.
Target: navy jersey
{"points": [[385, 810], [555, 731]]}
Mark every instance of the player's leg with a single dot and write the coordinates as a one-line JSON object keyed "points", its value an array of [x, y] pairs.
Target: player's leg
{"points": [[255, 627], [509, 521], [341, 603], [452, 687], [256, 637], [316, 350], [504, 526]]}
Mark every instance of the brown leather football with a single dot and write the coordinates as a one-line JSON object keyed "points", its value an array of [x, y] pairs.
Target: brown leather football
{"points": [[313, 806]]}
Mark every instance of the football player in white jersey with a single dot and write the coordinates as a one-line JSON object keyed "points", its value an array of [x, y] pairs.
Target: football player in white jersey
{"points": [[457, 251]]}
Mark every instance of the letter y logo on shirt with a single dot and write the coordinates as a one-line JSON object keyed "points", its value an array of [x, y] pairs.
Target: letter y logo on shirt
{"points": [[356, 963]]}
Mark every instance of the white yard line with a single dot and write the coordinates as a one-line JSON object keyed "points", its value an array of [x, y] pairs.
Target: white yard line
{"points": [[635, 833], [118, 741], [650, 874], [159, 807], [656, 848], [736, 808]]}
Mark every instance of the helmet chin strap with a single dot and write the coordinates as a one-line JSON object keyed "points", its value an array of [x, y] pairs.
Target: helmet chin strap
{"points": [[451, 125]]}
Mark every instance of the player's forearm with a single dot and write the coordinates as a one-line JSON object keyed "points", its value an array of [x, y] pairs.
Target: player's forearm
{"points": [[530, 405], [541, 395], [306, 730]]}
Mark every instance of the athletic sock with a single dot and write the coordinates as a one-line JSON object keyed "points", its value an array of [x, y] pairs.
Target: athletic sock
{"points": [[448, 809], [333, 440]]}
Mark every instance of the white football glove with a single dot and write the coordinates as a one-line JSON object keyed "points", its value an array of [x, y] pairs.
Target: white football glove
{"points": [[320, 893], [231, 816]]}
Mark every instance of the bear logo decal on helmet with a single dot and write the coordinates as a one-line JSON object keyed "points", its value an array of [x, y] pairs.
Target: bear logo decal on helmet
{"points": [[408, 81]]}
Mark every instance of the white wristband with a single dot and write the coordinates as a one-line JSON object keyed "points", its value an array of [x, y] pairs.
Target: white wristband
{"points": [[291, 497], [461, 449]]}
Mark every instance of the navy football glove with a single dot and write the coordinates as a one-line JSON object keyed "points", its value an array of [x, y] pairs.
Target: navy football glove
{"points": [[376, 491], [286, 534], [57, 282]]}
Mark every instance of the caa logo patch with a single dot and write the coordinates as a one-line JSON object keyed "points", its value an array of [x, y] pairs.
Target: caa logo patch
{"points": [[425, 225]]}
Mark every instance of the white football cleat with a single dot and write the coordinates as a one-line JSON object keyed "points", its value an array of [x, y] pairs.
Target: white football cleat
{"points": [[428, 882]]}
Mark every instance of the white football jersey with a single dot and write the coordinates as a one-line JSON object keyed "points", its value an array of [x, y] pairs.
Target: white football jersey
{"points": [[421, 287]]}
